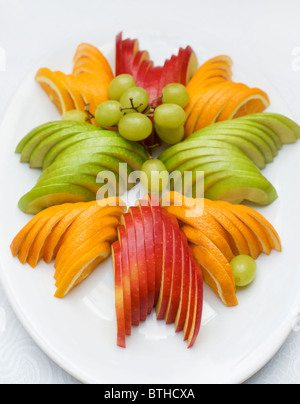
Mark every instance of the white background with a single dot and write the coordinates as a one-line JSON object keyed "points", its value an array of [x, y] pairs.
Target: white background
{"points": [[267, 31]]}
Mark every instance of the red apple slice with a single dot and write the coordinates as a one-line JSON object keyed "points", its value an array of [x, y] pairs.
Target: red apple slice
{"points": [[140, 57], [175, 294], [198, 308], [189, 64], [164, 76], [126, 278], [167, 269], [144, 67], [150, 252], [185, 285], [130, 48], [127, 221], [141, 260], [192, 299], [119, 300], [151, 83], [119, 54]]}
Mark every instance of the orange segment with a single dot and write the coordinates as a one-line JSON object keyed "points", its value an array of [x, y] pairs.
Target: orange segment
{"points": [[56, 90], [215, 275], [74, 90], [90, 51], [84, 266], [245, 102], [198, 238]]}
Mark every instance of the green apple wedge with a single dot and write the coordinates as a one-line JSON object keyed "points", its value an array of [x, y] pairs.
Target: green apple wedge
{"points": [[125, 156], [59, 141], [72, 145], [100, 161], [235, 189], [187, 155], [251, 123], [212, 167], [196, 144], [247, 142], [48, 128], [258, 136], [42, 197], [72, 174], [285, 128], [40, 136]]}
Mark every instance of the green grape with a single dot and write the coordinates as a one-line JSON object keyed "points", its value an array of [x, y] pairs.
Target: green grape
{"points": [[75, 115], [137, 97], [176, 94], [169, 116], [109, 113], [119, 85], [244, 270], [136, 127], [156, 178], [170, 136]]}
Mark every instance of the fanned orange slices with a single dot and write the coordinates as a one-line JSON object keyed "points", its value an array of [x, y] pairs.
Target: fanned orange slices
{"points": [[218, 231]]}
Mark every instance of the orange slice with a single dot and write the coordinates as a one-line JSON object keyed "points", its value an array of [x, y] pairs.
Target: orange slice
{"points": [[74, 90], [198, 238], [83, 267], [105, 233], [56, 90], [90, 51], [215, 275], [245, 102], [214, 107], [209, 227]]}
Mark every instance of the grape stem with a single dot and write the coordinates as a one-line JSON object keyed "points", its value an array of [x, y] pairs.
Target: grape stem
{"points": [[132, 107], [90, 115]]}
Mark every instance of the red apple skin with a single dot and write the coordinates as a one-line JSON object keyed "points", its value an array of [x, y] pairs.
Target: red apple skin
{"points": [[192, 299], [126, 278], [186, 57], [197, 318], [144, 67], [151, 83], [119, 301], [147, 216], [175, 294], [119, 54], [129, 50], [141, 260], [139, 58], [168, 259], [185, 286], [134, 272]]}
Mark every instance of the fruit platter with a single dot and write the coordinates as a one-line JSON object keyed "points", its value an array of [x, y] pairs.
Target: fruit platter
{"points": [[146, 214]]}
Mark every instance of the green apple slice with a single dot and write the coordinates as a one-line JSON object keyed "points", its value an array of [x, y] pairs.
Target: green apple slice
{"points": [[48, 128], [259, 137], [248, 143], [64, 139], [64, 131], [73, 175], [126, 156], [187, 155], [195, 144], [74, 144], [235, 189], [42, 197], [286, 129]]}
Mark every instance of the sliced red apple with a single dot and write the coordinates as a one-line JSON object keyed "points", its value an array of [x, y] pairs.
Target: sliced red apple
{"points": [[141, 260], [176, 285], [126, 278], [167, 267], [119, 300], [192, 299], [198, 307], [189, 64], [119, 54], [185, 285], [127, 222], [147, 216], [130, 48], [140, 57], [152, 81], [144, 67]]}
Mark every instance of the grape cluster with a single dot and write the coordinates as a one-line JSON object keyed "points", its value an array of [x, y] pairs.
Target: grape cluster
{"points": [[130, 109]]}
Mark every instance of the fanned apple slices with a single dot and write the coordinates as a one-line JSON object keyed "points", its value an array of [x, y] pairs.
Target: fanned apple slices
{"points": [[154, 268], [218, 231], [78, 236], [226, 158], [77, 159]]}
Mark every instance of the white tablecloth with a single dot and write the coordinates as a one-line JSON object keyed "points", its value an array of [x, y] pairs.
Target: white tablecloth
{"points": [[269, 29]]}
